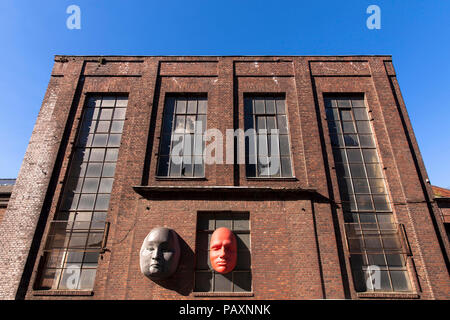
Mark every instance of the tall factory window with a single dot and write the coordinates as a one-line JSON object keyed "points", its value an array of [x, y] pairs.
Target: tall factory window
{"points": [[182, 144], [208, 280], [376, 243], [267, 151], [77, 233]]}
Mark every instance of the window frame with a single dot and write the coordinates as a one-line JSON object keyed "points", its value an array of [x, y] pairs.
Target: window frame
{"points": [[231, 216], [186, 97], [252, 97]]}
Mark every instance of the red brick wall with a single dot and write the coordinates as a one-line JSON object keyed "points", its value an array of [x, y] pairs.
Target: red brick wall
{"points": [[298, 247], [2, 213]]}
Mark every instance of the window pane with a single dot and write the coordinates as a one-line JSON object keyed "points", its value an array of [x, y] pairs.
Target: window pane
{"points": [[286, 170], [199, 167], [358, 103], [270, 106], [332, 114], [203, 281], [114, 140], [202, 104], [100, 140], [111, 154], [385, 282], [222, 282], [370, 155], [357, 170], [262, 145], [175, 168], [271, 124], [70, 278], [380, 202], [351, 140], [281, 108], [334, 127], [242, 281], [86, 202], [348, 127], [190, 124], [342, 170], [400, 280], [102, 202], [106, 114], [223, 220], [343, 103], [345, 186], [87, 279], [119, 113], [97, 155], [364, 203], [117, 126], [108, 101], [192, 106], [203, 261], [284, 145], [377, 185], [243, 241], [181, 106], [354, 155], [201, 123], [366, 141], [180, 124], [346, 115], [361, 185], [259, 106], [282, 124], [102, 126], [339, 155], [261, 124], [106, 185], [90, 185], [363, 126], [360, 114], [94, 169]]}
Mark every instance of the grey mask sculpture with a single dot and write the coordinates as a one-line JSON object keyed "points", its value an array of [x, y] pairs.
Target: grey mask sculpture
{"points": [[160, 254]]}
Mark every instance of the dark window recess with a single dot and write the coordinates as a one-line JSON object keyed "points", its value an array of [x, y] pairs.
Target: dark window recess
{"points": [[76, 236], [182, 137], [376, 245], [238, 280], [267, 148]]}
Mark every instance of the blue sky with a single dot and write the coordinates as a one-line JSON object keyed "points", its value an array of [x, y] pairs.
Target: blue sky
{"points": [[416, 33]]}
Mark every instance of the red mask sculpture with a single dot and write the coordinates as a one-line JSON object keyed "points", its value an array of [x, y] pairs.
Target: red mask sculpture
{"points": [[223, 250]]}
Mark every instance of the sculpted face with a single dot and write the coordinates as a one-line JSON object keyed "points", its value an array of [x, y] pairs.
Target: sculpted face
{"points": [[223, 250], [160, 254]]}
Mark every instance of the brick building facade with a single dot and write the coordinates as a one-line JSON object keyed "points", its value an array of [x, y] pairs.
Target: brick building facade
{"points": [[346, 214], [6, 186]]}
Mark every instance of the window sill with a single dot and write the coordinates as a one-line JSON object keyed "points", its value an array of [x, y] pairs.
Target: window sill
{"points": [[223, 294], [271, 179], [63, 293], [181, 178], [387, 295]]}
